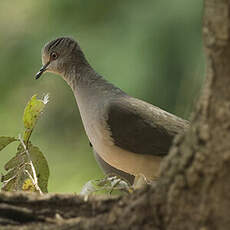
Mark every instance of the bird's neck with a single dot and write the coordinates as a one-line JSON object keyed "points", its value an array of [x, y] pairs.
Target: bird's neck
{"points": [[89, 87], [91, 91], [83, 78], [78, 76]]}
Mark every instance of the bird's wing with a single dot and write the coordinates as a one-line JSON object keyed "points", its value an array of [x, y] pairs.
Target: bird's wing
{"points": [[140, 127]]}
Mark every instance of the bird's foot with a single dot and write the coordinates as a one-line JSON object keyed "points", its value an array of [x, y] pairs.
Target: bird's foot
{"points": [[140, 181]]}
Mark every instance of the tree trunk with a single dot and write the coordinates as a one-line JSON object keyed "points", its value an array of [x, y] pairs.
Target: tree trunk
{"points": [[196, 173], [193, 190]]}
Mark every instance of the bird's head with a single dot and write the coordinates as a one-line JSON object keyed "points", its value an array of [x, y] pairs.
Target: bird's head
{"points": [[61, 55]]}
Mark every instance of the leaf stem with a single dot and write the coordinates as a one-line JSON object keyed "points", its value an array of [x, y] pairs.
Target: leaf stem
{"points": [[34, 177]]}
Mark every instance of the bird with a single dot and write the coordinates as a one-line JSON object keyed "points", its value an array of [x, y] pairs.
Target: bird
{"points": [[129, 136]]}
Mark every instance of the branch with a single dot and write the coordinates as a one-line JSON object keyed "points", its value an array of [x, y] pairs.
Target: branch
{"points": [[33, 178]]}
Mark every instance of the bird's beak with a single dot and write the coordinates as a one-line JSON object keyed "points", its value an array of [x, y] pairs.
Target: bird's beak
{"points": [[42, 70]]}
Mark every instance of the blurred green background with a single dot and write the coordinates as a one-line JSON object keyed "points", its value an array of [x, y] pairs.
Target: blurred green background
{"points": [[150, 49]]}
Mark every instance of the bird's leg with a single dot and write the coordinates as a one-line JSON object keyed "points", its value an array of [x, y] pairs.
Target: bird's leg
{"points": [[140, 181]]}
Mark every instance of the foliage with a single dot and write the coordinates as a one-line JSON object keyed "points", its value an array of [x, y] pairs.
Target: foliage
{"points": [[28, 170], [108, 184]]}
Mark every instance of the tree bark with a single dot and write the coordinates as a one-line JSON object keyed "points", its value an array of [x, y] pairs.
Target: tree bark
{"points": [[193, 189]]}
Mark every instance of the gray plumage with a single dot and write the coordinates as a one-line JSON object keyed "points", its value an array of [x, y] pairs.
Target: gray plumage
{"points": [[129, 136]]}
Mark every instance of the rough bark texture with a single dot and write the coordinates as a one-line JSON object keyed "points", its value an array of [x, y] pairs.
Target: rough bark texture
{"points": [[196, 174], [193, 191]]}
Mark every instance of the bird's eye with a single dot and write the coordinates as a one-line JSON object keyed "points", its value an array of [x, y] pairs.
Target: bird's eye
{"points": [[53, 56]]}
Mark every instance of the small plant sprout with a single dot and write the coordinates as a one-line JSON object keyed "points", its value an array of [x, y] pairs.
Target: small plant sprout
{"points": [[28, 170]]}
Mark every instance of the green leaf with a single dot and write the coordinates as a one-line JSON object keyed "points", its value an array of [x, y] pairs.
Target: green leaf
{"points": [[15, 161], [17, 179], [9, 175], [10, 185], [32, 111], [41, 167], [31, 114], [4, 141]]}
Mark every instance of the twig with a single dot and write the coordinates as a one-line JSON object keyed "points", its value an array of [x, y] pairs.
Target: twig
{"points": [[34, 177]]}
